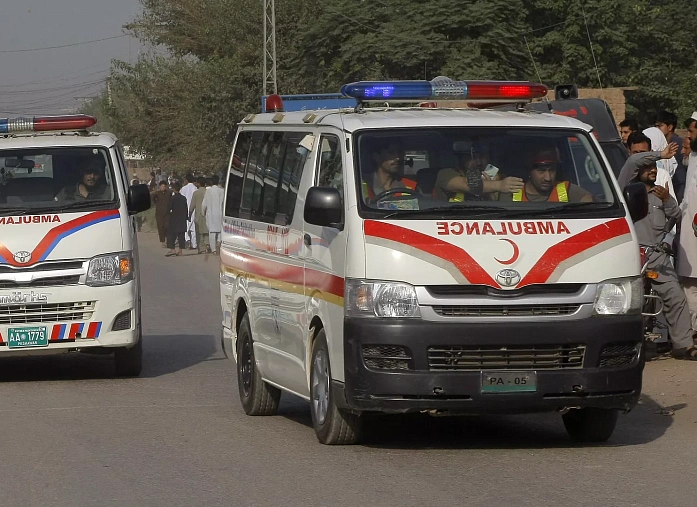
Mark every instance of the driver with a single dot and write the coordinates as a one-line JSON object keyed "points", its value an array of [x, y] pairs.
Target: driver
{"points": [[387, 157], [91, 185]]}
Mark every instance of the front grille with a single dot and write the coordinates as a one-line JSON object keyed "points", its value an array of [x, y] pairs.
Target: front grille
{"points": [[386, 357], [46, 312], [618, 354], [505, 310], [483, 290], [44, 266], [536, 357], [122, 321], [52, 281]]}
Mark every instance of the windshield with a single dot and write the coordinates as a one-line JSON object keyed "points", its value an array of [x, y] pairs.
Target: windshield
{"points": [[37, 180], [466, 171]]}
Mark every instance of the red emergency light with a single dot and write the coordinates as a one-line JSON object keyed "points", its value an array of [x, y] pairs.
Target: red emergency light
{"points": [[46, 123], [274, 104]]}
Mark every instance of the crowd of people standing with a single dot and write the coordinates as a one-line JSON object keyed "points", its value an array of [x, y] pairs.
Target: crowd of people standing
{"points": [[189, 215], [667, 164]]}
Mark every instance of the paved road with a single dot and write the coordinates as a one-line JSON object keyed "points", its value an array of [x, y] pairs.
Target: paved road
{"points": [[177, 436]]}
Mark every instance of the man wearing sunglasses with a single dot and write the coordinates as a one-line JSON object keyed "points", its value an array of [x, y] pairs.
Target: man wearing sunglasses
{"points": [[542, 184]]}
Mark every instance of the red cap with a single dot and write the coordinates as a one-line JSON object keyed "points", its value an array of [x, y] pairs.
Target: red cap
{"points": [[546, 156]]}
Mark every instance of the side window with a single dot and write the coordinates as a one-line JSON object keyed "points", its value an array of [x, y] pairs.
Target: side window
{"points": [[272, 175], [238, 165], [291, 173], [330, 166], [258, 192], [250, 184]]}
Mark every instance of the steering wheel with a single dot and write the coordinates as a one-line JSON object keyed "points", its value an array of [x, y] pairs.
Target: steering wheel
{"points": [[395, 191], [591, 171]]}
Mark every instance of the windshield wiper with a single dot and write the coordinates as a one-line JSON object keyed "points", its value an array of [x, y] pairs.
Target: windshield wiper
{"points": [[573, 206], [446, 209], [81, 205], [15, 211]]}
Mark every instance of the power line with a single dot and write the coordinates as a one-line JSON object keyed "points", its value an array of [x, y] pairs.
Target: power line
{"points": [[5, 51], [40, 91], [62, 77]]}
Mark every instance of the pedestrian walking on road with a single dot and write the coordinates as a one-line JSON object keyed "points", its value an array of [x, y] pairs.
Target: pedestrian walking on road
{"points": [[197, 217], [188, 191], [213, 210], [178, 213], [162, 199]]}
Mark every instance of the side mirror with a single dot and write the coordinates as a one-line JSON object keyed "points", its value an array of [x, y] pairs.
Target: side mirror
{"points": [[323, 207], [637, 200], [138, 198]]}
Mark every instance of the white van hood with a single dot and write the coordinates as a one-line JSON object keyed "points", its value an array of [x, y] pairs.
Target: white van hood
{"points": [[504, 254], [28, 239]]}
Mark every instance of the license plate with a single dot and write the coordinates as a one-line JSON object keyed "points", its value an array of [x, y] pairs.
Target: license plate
{"points": [[23, 337], [504, 381]]}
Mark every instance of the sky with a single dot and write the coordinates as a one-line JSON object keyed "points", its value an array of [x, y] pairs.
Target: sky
{"points": [[55, 81]]}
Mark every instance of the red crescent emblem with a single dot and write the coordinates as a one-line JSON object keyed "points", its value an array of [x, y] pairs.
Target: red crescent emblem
{"points": [[516, 253]]}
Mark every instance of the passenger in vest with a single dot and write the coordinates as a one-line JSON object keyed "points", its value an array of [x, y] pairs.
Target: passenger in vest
{"points": [[388, 164], [474, 177], [542, 184]]}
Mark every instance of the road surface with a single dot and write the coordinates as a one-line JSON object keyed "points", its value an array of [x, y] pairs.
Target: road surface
{"points": [[177, 436]]}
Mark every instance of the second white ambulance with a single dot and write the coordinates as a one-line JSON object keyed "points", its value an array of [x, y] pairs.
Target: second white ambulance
{"points": [[449, 261]]}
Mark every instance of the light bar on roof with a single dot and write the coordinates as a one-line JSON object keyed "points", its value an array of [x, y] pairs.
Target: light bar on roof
{"points": [[46, 123], [444, 88]]}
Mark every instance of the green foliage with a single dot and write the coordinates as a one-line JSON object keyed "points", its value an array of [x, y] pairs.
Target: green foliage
{"points": [[181, 104]]}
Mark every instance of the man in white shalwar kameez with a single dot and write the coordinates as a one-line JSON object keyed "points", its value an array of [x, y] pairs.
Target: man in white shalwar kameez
{"points": [[687, 251], [188, 191], [213, 210]]}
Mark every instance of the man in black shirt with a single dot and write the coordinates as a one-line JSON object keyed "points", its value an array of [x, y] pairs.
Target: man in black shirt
{"points": [[91, 186]]}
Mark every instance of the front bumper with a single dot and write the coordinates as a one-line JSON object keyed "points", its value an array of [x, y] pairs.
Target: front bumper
{"points": [[75, 317], [421, 388]]}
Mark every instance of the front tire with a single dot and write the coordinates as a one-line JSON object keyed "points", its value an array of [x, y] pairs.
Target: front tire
{"points": [[129, 362], [590, 424], [333, 426], [257, 397]]}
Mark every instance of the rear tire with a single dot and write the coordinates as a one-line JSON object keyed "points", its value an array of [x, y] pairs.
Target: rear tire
{"points": [[257, 397], [129, 362], [590, 424], [333, 426]]}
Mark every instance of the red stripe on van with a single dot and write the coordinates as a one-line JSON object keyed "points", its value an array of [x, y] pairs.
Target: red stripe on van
{"points": [[281, 272], [556, 254], [463, 261]]}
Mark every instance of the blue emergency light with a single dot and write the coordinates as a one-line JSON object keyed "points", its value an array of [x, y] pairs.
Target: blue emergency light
{"points": [[444, 88]]}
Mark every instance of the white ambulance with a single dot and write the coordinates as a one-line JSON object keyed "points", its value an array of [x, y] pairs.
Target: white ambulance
{"points": [[68, 251], [424, 259]]}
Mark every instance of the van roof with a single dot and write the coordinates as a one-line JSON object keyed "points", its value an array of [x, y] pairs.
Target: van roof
{"points": [[349, 120], [56, 139]]}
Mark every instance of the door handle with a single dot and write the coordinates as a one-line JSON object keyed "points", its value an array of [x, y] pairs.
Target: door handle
{"points": [[307, 240]]}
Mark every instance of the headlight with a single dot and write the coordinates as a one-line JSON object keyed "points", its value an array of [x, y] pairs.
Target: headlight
{"points": [[619, 297], [112, 269], [367, 298]]}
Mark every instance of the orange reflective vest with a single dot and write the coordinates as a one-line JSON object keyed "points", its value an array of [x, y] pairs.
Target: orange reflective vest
{"points": [[368, 191], [559, 194]]}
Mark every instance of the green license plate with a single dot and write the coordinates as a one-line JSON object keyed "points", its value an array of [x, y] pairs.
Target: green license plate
{"points": [[23, 337], [504, 381]]}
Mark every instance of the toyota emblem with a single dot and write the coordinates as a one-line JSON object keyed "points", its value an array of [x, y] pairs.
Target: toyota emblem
{"points": [[508, 278], [22, 257]]}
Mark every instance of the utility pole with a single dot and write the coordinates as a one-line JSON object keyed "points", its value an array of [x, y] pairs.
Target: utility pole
{"points": [[269, 47]]}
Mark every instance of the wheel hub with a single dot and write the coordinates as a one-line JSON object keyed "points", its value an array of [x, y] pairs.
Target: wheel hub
{"points": [[320, 386]]}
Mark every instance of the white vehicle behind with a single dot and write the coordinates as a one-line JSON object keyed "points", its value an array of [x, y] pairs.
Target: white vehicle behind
{"points": [[68, 247]]}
